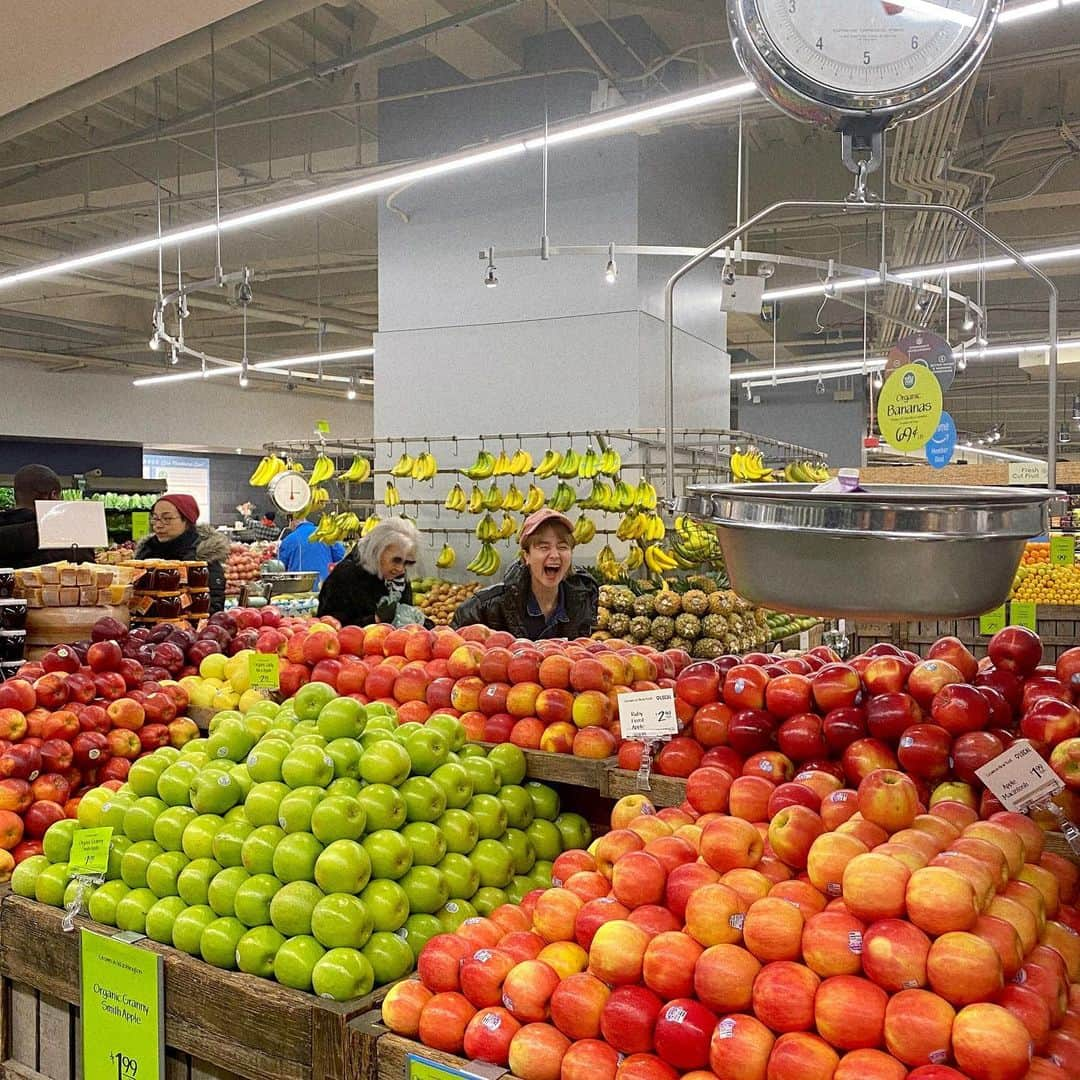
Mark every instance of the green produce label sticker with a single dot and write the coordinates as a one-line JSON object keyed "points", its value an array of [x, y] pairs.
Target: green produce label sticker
{"points": [[992, 621], [90, 850], [421, 1068], [140, 524], [1023, 613], [909, 407], [322, 427], [1062, 550], [123, 1024], [265, 671]]}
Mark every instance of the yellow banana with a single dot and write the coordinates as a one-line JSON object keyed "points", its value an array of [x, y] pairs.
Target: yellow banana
{"points": [[261, 475], [425, 466], [508, 527], [476, 500], [646, 496], [502, 464], [563, 498], [658, 561], [513, 499], [369, 524], [358, 471], [549, 465], [486, 561], [590, 465], [482, 468], [570, 463], [390, 495], [493, 499], [584, 530], [534, 500], [635, 559], [322, 470], [521, 462], [456, 499], [486, 529], [447, 557], [610, 462], [403, 467]]}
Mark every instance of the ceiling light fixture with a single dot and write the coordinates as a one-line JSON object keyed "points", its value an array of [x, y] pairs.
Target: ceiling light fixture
{"points": [[879, 380], [1076, 406], [611, 271], [490, 279], [819, 389], [277, 367], [351, 392], [727, 274], [826, 368], [244, 380], [969, 319], [154, 342]]}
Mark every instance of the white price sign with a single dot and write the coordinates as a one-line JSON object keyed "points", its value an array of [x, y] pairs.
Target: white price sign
{"points": [[1020, 777], [648, 714]]}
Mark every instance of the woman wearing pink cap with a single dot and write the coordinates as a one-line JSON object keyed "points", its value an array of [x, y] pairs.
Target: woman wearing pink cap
{"points": [[177, 535], [542, 596]]}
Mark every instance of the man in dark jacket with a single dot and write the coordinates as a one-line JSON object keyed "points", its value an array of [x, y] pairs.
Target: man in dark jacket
{"points": [[542, 596], [18, 527]]}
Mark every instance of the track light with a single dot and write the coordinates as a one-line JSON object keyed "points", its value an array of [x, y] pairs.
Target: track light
{"points": [[1064, 435], [749, 393], [611, 271], [923, 299], [830, 279], [244, 374], [727, 274], [820, 388], [351, 392], [490, 279], [174, 356], [1076, 407], [969, 319], [155, 341], [878, 380]]}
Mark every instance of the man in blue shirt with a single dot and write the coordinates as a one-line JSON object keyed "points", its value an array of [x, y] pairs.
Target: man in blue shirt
{"points": [[298, 553]]}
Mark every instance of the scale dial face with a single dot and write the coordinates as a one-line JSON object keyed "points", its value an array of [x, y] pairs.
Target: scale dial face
{"points": [[290, 492], [860, 57]]}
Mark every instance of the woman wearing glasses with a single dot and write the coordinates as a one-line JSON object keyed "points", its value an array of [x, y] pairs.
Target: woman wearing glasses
{"points": [[176, 535], [369, 583]]}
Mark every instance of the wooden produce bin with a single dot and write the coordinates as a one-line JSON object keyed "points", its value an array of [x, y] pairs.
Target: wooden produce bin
{"points": [[662, 790], [219, 1025], [392, 1053]]}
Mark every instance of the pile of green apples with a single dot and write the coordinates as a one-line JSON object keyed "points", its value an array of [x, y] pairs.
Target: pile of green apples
{"points": [[317, 842]]}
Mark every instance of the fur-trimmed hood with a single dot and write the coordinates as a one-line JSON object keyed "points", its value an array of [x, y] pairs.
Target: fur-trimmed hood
{"points": [[201, 542]]}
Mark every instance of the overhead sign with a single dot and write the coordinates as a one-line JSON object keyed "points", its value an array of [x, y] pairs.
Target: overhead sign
{"points": [[909, 407], [1026, 473], [930, 350], [942, 444]]}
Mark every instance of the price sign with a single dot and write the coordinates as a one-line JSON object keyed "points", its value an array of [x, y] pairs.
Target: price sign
{"points": [[1026, 473], [1023, 613], [123, 1023], [421, 1068], [90, 850], [909, 407], [140, 524], [322, 427], [1020, 777], [992, 621], [1062, 550], [265, 671], [648, 714]]}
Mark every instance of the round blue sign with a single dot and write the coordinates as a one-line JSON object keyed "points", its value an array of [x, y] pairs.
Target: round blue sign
{"points": [[942, 444]]}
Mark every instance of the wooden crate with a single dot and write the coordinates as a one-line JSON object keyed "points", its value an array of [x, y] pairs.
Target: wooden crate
{"points": [[662, 790], [392, 1052], [1057, 843], [564, 768], [218, 1024]]}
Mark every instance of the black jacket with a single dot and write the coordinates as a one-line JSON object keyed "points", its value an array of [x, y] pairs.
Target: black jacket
{"points": [[356, 598], [19, 542], [502, 606], [198, 543]]}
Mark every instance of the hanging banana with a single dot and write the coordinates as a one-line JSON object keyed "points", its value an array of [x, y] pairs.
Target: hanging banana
{"points": [[358, 471], [493, 500], [403, 467], [610, 462], [508, 527], [486, 562], [486, 529], [369, 524], [456, 499], [563, 497], [483, 468], [425, 466], [549, 465], [658, 561], [390, 495], [513, 499], [521, 462], [476, 500], [584, 530], [571, 462], [502, 464], [447, 557], [269, 467], [322, 470], [590, 465]]}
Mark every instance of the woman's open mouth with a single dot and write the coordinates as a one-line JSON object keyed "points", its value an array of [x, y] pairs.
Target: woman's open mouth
{"points": [[551, 573]]}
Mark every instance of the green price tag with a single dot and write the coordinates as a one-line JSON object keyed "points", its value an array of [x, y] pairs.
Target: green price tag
{"points": [[421, 1068], [123, 1024], [140, 524], [1062, 550], [992, 621], [90, 850], [265, 671], [1022, 613], [322, 427]]}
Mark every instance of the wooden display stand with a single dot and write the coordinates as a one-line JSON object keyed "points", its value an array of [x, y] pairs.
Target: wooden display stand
{"points": [[393, 1054]]}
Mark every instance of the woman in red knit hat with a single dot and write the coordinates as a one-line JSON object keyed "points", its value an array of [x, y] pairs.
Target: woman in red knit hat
{"points": [[177, 535]]}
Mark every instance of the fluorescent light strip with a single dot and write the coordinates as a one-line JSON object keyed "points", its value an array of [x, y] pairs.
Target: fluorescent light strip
{"points": [[1027, 11], [937, 11], [836, 369], [281, 366]]}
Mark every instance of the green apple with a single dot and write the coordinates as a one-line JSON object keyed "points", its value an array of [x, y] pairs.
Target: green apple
{"points": [[224, 717], [174, 784], [519, 886], [388, 904], [89, 812], [163, 872], [485, 776], [214, 792], [344, 866], [264, 760], [118, 848], [221, 895], [25, 874], [419, 929], [346, 754], [521, 850], [428, 749], [195, 753], [56, 844], [389, 955], [460, 875], [240, 774], [295, 857], [229, 841], [403, 731], [50, 884], [493, 863], [257, 851], [384, 806], [470, 750], [385, 762], [519, 806], [342, 975], [541, 873], [193, 882], [251, 903], [296, 809], [296, 959], [263, 802], [545, 800], [102, 905], [140, 817], [574, 830], [266, 707], [135, 861], [490, 815], [427, 843], [310, 699], [456, 912], [389, 852], [345, 785], [168, 753], [510, 761], [487, 899], [170, 825], [341, 920], [219, 940], [307, 765], [189, 926], [426, 889], [424, 799], [455, 783], [198, 841], [342, 718], [232, 741], [546, 839], [113, 810], [257, 949], [144, 774], [131, 911], [451, 729], [460, 831], [292, 905], [160, 919], [382, 711], [338, 817]]}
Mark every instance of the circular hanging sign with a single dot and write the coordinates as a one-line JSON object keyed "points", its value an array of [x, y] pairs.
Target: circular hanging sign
{"points": [[942, 444], [909, 407], [930, 350]]}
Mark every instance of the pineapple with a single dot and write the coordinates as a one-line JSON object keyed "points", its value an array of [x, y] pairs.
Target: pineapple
{"points": [[760, 617], [688, 626], [703, 583], [707, 649], [680, 643], [714, 626], [619, 625], [603, 618], [607, 595], [652, 642], [643, 605], [668, 603], [663, 628], [623, 601], [640, 626], [695, 602], [720, 603]]}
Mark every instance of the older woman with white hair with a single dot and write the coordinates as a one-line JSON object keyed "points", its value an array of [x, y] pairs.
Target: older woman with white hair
{"points": [[372, 580]]}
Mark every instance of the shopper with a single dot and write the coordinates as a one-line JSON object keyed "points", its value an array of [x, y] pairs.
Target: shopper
{"points": [[264, 527], [368, 585], [176, 534], [299, 552], [542, 595], [18, 527]]}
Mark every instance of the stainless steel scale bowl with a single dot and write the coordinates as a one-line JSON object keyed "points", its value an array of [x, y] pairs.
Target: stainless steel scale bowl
{"points": [[892, 552]]}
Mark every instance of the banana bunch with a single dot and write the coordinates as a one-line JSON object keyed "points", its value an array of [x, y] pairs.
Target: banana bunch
{"points": [[322, 470], [635, 560], [502, 465], [476, 500], [481, 469], [319, 498], [369, 524], [513, 499], [266, 470], [584, 529], [390, 495], [493, 498], [750, 466], [590, 465], [403, 467], [486, 529], [609, 566], [358, 471], [636, 525], [447, 557], [520, 463], [805, 472], [335, 527], [658, 560], [693, 544], [486, 562], [456, 499], [534, 500], [599, 498], [508, 527], [571, 462], [293, 466], [562, 498], [549, 465], [645, 497], [624, 496], [610, 462], [425, 466]]}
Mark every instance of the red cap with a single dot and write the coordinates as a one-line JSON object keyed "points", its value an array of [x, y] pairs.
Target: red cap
{"points": [[542, 517], [185, 506]]}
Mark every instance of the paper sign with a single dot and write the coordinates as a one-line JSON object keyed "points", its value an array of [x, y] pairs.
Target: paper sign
{"points": [[1062, 550], [1026, 473], [992, 621], [90, 850], [140, 524], [265, 671], [421, 1068], [1020, 777], [64, 524], [322, 427], [909, 407], [123, 1023], [1022, 613], [648, 714]]}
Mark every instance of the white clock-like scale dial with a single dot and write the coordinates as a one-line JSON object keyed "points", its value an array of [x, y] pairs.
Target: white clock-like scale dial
{"points": [[290, 492]]}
